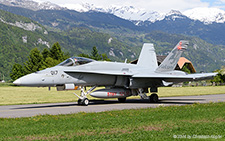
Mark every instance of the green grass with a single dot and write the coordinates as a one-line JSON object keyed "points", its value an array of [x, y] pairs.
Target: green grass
{"points": [[162, 123], [6, 84], [28, 95]]}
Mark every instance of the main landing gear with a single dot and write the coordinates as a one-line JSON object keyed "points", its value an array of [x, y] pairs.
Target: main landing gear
{"points": [[122, 100], [153, 98], [83, 100]]}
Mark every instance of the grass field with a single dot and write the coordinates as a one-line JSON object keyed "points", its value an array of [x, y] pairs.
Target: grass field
{"points": [[10, 95], [197, 121]]}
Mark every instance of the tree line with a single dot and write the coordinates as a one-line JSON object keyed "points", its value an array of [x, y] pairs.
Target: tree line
{"points": [[38, 60], [220, 77]]}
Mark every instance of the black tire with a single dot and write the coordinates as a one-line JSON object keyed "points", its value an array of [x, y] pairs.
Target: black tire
{"points": [[154, 98], [122, 100], [85, 102], [79, 101]]}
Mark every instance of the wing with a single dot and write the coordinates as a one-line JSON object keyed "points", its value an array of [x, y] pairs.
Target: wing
{"points": [[176, 78]]}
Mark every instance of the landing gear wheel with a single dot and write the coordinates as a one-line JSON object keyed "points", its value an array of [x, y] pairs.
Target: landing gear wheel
{"points": [[154, 98], [122, 100], [85, 102]]}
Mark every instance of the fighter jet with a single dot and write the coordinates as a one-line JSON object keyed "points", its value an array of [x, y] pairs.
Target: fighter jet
{"points": [[120, 80]]}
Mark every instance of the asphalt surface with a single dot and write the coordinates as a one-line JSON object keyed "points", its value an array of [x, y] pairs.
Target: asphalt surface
{"points": [[13, 111]]}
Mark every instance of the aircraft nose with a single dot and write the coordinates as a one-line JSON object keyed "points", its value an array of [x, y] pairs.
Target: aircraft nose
{"points": [[17, 82], [28, 80]]}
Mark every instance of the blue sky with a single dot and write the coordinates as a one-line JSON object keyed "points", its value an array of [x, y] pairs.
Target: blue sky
{"points": [[215, 3], [211, 2], [156, 5]]}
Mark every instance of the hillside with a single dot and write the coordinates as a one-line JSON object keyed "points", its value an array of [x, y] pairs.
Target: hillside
{"points": [[19, 35], [173, 22], [180, 24], [65, 19]]}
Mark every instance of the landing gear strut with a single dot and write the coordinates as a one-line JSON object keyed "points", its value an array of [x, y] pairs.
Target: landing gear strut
{"points": [[83, 100]]}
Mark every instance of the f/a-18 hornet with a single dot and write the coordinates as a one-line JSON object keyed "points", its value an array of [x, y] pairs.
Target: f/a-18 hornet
{"points": [[121, 80]]}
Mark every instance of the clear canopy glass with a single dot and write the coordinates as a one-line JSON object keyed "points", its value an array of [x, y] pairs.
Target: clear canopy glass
{"points": [[75, 61]]}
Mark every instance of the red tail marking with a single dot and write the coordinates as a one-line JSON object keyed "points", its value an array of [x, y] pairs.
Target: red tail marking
{"points": [[179, 47]]}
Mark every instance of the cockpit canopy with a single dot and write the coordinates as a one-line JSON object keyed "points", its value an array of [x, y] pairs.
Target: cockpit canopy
{"points": [[75, 61]]}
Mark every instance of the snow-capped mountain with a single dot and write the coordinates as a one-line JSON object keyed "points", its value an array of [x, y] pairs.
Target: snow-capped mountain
{"points": [[29, 4], [206, 15], [124, 12], [137, 15]]}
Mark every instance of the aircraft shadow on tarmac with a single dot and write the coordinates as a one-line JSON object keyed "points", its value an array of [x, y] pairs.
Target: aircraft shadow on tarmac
{"points": [[104, 102]]}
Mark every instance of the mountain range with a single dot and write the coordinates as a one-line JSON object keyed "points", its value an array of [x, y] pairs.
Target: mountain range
{"points": [[203, 14], [77, 31], [205, 23]]}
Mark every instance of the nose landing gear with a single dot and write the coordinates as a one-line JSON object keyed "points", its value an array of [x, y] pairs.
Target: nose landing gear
{"points": [[83, 100]]}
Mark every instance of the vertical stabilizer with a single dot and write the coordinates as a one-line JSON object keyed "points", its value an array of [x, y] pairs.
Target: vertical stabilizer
{"points": [[171, 60], [147, 58]]}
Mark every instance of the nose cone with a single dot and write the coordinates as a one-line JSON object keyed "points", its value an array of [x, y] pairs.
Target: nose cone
{"points": [[17, 82], [28, 80]]}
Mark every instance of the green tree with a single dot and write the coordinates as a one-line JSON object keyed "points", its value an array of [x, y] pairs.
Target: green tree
{"points": [[220, 77], [45, 53], [105, 57], [39, 60], [34, 63], [56, 52], [49, 62], [95, 55], [84, 55], [17, 72], [185, 69]]}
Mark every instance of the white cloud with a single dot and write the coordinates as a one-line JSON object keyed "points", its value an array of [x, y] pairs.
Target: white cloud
{"points": [[222, 1], [156, 5]]}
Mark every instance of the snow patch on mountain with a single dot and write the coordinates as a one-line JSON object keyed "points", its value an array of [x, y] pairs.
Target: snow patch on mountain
{"points": [[33, 5], [206, 15], [173, 15]]}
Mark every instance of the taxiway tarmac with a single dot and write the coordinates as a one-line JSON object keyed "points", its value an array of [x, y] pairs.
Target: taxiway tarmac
{"points": [[13, 111]]}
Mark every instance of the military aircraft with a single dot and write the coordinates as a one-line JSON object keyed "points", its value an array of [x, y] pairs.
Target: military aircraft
{"points": [[120, 80]]}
